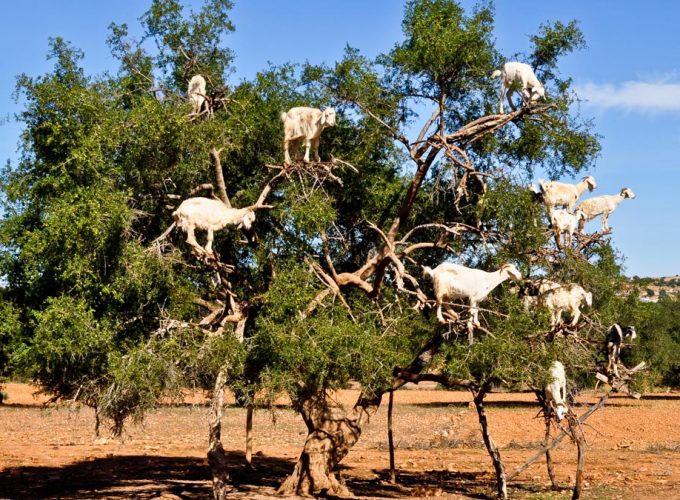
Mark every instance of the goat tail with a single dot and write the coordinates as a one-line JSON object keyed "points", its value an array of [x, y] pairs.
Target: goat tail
{"points": [[496, 74], [284, 115]]}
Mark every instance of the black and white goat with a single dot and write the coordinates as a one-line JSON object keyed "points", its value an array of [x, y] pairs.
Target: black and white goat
{"points": [[615, 337]]}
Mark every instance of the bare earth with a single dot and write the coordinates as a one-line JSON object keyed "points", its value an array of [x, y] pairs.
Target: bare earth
{"points": [[52, 451]]}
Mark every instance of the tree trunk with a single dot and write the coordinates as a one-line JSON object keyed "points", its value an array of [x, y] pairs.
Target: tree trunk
{"points": [[494, 452], [547, 415], [577, 435], [548, 454], [97, 421], [390, 438], [332, 433], [249, 436], [217, 459]]}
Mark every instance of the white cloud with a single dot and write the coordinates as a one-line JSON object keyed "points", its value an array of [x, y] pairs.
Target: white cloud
{"points": [[642, 96]]}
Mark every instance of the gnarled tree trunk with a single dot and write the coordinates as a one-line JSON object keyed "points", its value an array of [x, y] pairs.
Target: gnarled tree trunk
{"points": [[332, 433], [217, 459]]}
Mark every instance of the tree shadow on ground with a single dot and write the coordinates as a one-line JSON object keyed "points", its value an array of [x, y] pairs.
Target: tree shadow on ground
{"points": [[110, 477], [466, 404], [426, 483], [141, 476]]}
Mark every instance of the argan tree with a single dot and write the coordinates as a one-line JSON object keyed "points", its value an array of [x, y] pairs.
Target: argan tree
{"points": [[327, 288], [459, 144]]}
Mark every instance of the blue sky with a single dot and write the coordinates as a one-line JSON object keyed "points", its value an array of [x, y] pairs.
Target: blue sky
{"points": [[629, 74]]}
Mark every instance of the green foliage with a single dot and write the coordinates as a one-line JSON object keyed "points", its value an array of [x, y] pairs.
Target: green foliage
{"points": [[444, 46], [10, 333], [69, 350], [324, 351], [191, 44], [658, 344], [100, 160], [551, 42]]}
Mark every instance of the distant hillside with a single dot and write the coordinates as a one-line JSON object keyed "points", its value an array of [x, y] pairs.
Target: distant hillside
{"points": [[651, 289]]}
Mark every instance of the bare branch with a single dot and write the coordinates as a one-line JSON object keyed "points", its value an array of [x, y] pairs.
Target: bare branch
{"points": [[387, 241], [453, 229], [328, 280], [155, 244], [423, 131], [557, 439], [344, 279], [201, 187], [219, 175], [314, 303], [327, 255], [397, 136], [335, 161]]}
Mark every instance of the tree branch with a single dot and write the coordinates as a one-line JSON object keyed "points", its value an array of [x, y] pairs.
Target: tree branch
{"points": [[219, 175]]}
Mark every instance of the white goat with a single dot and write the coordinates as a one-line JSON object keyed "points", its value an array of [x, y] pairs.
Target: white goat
{"points": [[556, 391], [563, 194], [453, 281], [615, 337], [566, 298], [544, 284], [211, 215], [519, 74], [197, 95], [305, 123], [535, 289], [602, 205], [565, 223]]}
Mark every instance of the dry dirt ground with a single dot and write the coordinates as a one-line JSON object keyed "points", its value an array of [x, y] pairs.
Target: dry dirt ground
{"points": [[51, 452]]}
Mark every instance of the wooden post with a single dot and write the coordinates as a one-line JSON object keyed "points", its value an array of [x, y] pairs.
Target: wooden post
{"points": [[390, 438]]}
